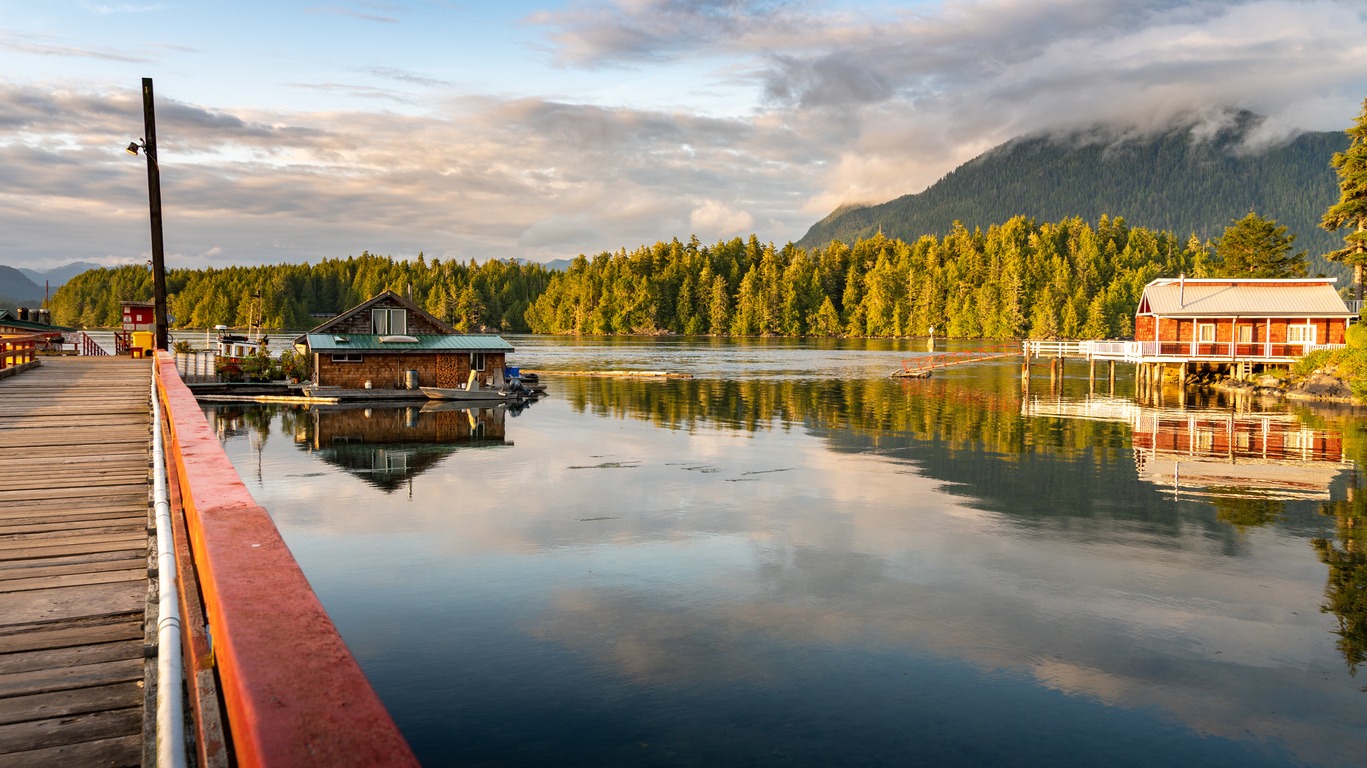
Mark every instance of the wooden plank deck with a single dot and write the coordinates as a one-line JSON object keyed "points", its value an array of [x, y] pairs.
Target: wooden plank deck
{"points": [[74, 443]]}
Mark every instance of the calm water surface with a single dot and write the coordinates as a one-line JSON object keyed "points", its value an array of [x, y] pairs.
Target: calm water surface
{"points": [[794, 560]]}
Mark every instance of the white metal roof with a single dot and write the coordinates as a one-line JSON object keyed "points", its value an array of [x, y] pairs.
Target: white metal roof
{"points": [[1175, 297]]}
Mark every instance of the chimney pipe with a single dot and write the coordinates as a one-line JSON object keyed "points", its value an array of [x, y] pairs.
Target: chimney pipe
{"points": [[1182, 290]]}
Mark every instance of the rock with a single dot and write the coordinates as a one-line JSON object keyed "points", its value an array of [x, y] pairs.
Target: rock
{"points": [[1323, 385]]}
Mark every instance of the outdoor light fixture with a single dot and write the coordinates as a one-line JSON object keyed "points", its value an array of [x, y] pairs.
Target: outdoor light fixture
{"points": [[133, 148]]}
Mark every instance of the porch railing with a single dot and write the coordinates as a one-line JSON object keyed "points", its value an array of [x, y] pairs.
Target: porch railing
{"points": [[1136, 351]]}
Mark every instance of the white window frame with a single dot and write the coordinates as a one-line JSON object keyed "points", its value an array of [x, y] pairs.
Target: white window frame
{"points": [[389, 321], [347, 357], [1240, 331], [1300, 334], [1202, 329], [477, 361]]}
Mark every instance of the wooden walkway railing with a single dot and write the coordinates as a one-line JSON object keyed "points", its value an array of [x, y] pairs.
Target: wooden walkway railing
{"points": [[17, 350]]}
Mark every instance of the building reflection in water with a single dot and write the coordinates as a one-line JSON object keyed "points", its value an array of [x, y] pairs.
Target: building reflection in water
{"points": [[1217, 453], [387, 446]]}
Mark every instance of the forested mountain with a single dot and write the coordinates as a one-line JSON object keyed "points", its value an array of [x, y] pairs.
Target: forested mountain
{"points": [[16, 289], [57, 276], [1183, 182]]}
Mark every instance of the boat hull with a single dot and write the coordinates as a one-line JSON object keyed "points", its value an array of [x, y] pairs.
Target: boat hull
{"points": [[453, 393]]}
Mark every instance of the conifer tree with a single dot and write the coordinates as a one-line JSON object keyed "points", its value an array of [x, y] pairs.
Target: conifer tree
{"points": [[1351, 209], [1257, 247]]}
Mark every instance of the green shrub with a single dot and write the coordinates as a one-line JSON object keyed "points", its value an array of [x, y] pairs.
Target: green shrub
{"points": [[1356, 337], [296, 365], [257, 367], [1350, 363], [1311, 362]]}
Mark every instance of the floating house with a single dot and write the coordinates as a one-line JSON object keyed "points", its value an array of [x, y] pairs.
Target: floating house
{"points": [[1223, 319], [32, 322], [1226, 324], [388, 346]]}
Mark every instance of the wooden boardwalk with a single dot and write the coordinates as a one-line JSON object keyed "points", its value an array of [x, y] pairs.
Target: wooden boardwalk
{"points": [[74, 448]]}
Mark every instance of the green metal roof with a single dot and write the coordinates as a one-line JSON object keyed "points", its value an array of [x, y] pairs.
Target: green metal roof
{"points": [[368, 342], [35, 327]]}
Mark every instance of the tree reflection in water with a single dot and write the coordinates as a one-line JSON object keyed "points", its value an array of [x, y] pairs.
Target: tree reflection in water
{"points": [[1345, 594], [985, 424]]}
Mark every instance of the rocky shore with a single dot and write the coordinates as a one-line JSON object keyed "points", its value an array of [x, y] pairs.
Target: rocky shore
{"points": [[1319, 386]]}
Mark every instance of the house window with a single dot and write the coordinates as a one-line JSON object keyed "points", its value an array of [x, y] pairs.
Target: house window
{"points": [[1205, 333], [1300, 334], [389, 321], [1203, 441], [346, 357], [476, 361], [1245, 334], [1299, 440]]}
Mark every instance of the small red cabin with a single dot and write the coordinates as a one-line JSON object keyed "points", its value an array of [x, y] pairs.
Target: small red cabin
{"points": [[139, 316]]}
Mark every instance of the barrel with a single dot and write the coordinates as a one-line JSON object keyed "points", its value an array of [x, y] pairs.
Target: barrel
{"points": [[410, 379]]}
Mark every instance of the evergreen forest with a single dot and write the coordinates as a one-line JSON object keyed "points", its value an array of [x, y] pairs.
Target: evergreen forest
{"points": [[1069, 279], [471, 296]]}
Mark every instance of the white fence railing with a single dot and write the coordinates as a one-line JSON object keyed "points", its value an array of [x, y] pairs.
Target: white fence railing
{"points": [[1137, 351]]}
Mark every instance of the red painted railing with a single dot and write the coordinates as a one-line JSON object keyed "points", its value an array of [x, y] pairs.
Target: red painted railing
{"points": [[17, 350], [87, 346], [293, 694]]}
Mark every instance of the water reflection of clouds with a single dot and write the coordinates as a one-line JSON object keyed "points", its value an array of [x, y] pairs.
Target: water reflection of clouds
{"points": [[1222, 648], [672, 577], [1231, 677]]}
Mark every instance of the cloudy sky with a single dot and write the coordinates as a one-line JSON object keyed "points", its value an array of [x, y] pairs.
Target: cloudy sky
{"points": [[300, 131]]}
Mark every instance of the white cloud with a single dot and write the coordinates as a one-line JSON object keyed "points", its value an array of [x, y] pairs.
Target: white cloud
{"points": [[843, 107], [713, 219]]}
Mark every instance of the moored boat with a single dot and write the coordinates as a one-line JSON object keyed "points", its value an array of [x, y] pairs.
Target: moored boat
{"points": [[460, 393], [474, 391]]}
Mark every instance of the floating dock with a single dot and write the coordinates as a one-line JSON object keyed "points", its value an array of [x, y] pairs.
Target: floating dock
{"points": [[74, 447]]}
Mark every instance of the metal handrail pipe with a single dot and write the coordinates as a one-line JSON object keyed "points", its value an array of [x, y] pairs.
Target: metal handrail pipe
{"points": [[170, 703], [293, 694]]}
